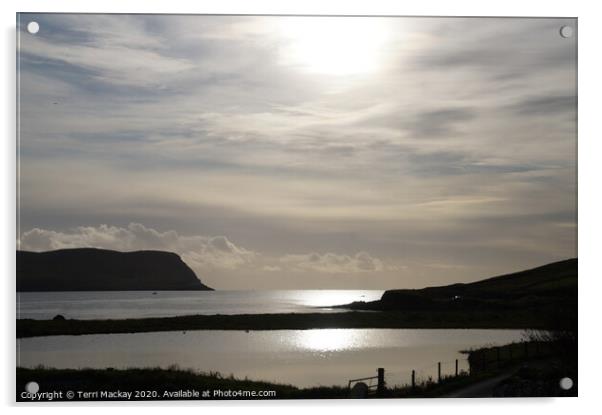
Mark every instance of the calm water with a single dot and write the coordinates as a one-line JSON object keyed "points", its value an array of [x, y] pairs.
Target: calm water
{"points": [[299, 357], [131, 304]]}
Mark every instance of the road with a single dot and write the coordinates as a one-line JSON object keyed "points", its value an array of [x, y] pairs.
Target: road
{"points": [[481, 389]]}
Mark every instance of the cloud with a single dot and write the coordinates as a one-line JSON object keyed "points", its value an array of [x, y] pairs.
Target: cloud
{"points": [[513, 47], [332, 263], [116, 50], [439, 123], [201, 252], [192, 124], [430, 122], [546, 105]]}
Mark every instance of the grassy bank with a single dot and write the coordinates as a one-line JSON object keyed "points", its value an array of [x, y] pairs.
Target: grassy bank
{"points": [[516, 319], [160, 384], [536, 367], [167, 384], [497, 357]]}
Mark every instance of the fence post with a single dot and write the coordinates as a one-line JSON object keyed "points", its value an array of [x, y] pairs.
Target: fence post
{"points": [[381, 380], [456, 367], [413, 379], [526, 349], [510, 348], [498, 356], [439, 372]]}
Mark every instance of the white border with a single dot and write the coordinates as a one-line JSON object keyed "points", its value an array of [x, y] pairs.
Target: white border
{"points": [[590, 183]]}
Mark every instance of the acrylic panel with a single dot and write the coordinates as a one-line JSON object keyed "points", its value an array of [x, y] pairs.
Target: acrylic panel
{"points": [[291, 207]]}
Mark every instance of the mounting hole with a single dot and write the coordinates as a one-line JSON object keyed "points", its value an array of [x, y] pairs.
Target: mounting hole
{"points": [[566, 383], [32, 387], [566, 31], [33, 27]]}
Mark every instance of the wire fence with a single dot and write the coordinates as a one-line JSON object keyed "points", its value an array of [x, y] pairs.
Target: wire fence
{"points": [[481, 360], [431, 373]]}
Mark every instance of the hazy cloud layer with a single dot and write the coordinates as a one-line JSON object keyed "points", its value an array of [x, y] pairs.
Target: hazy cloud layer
{"points": [[310, 142], [199, 251], [333, 263], [203, 253]]}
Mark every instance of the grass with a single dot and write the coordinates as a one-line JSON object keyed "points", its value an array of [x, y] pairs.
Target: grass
{"points": [[161, 381], [510, 319], [487, 358], [174, 379]]}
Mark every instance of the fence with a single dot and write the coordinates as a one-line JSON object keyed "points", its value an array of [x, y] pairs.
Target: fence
{"points": [[375, 384], [477, 361], [410, 378], [433, 373], [490, 358]]}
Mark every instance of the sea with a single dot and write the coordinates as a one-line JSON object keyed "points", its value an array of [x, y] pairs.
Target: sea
{"points": [[305, 358]]}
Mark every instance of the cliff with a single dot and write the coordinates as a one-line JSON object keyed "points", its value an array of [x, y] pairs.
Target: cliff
{"points": [[90, 269]]}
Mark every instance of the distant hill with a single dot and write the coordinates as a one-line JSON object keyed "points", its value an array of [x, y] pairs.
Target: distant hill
{"points": [[91, 269], [553, 284]]}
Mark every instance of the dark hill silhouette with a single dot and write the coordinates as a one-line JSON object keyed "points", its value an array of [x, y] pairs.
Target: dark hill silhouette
{"points": [[91, 269], [553, 284]]}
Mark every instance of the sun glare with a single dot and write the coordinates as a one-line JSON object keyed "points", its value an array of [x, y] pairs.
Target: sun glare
{"points": [[329, 340], [334, 46], [327, 298]]}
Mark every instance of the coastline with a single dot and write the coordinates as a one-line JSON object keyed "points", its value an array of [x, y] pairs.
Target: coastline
{"points": [[513, 319]]}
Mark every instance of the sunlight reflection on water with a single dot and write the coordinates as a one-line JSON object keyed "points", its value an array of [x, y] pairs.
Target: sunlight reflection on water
{"points": [[138, 304], [300, 357], [328, 340], [325, 298]]}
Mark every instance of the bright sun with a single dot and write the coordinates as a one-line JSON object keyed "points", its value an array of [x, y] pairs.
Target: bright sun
{"points": [[334, 46]]}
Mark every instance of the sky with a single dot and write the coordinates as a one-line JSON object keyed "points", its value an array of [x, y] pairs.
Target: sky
{"points": [[301, 152]]}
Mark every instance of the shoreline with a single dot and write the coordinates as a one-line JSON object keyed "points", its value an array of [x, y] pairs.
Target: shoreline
{"points": [[514, 319], [521, 369]]}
